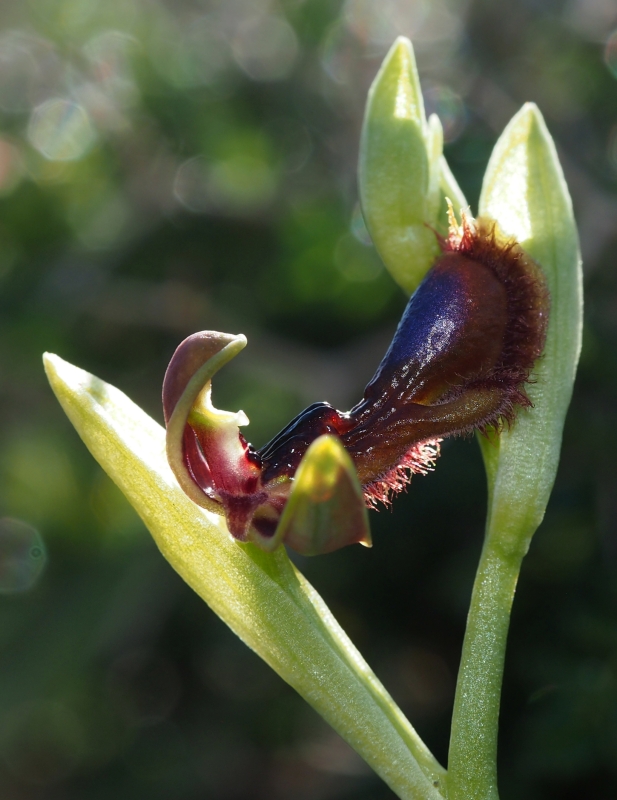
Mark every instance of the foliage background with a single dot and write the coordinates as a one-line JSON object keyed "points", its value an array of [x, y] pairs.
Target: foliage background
{"points": [[166, 168]]}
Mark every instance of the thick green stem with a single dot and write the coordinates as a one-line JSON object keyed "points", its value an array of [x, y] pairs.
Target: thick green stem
{"points": [[472, 769]]}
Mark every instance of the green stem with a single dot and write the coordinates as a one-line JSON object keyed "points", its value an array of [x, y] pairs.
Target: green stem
{"points": [[472, 769]]}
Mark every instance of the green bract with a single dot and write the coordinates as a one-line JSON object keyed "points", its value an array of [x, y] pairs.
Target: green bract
{"points": [[525, 192], [261, 596], [402, 174]]}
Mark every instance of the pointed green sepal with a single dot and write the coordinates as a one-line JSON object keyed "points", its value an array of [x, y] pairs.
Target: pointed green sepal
{"points": [[326, 509], [525, 192], [399, 169]]}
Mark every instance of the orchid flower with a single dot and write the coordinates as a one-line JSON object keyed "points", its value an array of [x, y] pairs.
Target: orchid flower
{"points": [[459, 361]]}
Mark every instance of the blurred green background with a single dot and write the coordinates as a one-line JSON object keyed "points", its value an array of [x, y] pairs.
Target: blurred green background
{"points": [[170, 167]]}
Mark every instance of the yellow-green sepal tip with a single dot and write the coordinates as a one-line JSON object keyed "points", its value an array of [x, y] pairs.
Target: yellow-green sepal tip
{"points": [[325, 510]]}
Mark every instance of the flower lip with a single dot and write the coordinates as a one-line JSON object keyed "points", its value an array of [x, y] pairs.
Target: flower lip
{"points": [[282, 454], [450, 334]]}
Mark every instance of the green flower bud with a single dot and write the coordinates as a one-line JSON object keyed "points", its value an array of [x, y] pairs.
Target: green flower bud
{"points": [[525, 192], [400, 169]]}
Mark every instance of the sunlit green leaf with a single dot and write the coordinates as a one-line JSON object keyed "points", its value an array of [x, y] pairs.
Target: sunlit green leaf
{"points": [[261, 596]]}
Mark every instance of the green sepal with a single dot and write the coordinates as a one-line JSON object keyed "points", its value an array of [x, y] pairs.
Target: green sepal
{"points": [[326, 509], [525, 192]]}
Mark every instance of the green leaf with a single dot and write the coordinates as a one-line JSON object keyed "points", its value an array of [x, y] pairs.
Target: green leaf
{"points": [[326, 509], [525, 192], [399, 169], [261, 596]]}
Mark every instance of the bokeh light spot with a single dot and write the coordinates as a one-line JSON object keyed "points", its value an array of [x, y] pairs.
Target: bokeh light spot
{"points": [[11, 167], [191, 52], [265, 48], [42, 742], [242, 183], [19, 71], [610, 53], [109, 55], [611, 148], [191, 184], [22, 556], [340, 52], [450, 109], [355, 261], [358, 227], [380, 23], [61, 130]]}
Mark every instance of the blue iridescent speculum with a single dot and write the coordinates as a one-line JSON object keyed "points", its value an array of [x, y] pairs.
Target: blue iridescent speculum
{"points": [[459, 361]]}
